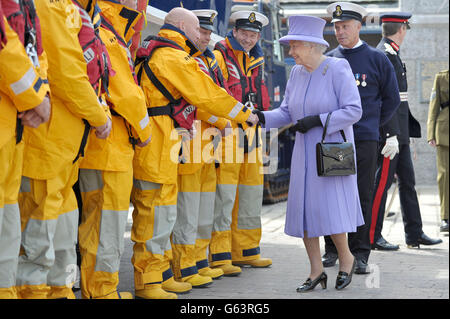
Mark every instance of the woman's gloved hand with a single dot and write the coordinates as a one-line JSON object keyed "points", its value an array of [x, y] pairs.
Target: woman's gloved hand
{"points": [[308, 122]]}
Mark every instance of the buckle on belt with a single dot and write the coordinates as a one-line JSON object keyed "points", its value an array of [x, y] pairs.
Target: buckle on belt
{"points": [[251, 97]]}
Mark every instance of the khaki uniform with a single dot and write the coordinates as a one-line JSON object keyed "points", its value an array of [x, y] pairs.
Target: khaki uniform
{"points": [[437, 129]]}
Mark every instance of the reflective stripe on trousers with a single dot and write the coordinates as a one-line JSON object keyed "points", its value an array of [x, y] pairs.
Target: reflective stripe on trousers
{"points": [[154, 217], [11, 156], [246, 223], [193, 226], [106, 201], [237, 212], [220, 245], [49, 218], [206, 215], [246, 216]]}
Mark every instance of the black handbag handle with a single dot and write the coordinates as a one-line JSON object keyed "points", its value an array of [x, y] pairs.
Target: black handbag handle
{"points": [[325, 129]]}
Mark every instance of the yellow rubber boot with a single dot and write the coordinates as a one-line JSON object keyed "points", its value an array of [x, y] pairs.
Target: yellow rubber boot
{"points": [[154, 291], [229, 270], [198, 281], [176, 286], [215, 273], [255, 263]]}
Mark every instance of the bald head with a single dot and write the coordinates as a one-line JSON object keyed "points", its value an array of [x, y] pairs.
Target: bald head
{"points": [[186, 21]]}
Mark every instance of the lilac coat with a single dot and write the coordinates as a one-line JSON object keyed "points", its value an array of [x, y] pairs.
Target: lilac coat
{"points": [[320, 205]]}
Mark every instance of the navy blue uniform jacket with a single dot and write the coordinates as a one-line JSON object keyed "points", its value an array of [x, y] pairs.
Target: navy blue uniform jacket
{"points": [[379, 94]]}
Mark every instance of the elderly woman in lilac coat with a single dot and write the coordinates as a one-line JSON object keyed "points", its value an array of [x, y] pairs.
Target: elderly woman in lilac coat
{"points": [[318, 206]]}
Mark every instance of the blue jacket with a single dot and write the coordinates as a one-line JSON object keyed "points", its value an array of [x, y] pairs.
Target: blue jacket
{"points": [[378, 89]]}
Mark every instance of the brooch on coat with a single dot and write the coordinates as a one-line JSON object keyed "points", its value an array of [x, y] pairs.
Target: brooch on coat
{"points": [[389, 49]]}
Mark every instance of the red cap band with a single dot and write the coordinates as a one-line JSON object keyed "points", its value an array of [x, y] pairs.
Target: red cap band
{"points": [[393, 20]]}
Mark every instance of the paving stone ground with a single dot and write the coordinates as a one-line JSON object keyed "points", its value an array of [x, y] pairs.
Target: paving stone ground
{"points": [[404, 274], [407, 273]]}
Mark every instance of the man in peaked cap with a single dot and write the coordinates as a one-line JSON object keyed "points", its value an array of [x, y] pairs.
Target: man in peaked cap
{"points": [[206, 19], [377, 85], [239, 194], [169, 59], [343, 11], [394, 26], [395, 17], [249, 20]]}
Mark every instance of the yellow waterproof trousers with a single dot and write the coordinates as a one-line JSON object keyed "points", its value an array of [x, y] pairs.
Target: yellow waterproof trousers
{"points": [[106, 201], [11, 156], [238, 202], [49, 217], [154, 216], [193, 226]]}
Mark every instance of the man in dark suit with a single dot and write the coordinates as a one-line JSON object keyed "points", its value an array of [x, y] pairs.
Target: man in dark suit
{"points": [[394, 28]]}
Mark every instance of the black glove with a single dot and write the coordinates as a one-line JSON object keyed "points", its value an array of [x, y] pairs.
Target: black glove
{"points": [[308, 122], [260, 115]]}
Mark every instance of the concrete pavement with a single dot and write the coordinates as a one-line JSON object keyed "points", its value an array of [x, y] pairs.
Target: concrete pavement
{"points": [[404, 274]]}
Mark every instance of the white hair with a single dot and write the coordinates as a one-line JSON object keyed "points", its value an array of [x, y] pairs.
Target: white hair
{"points": [[320, 48]]}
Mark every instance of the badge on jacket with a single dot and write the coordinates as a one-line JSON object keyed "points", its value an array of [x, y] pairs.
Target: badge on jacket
{"points": [[364, 83]]}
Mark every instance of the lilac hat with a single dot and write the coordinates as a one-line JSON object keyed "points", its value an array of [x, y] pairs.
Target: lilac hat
{"points": [[305, 28]]}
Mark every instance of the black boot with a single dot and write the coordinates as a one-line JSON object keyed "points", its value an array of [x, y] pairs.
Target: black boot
{"points": [[383, 244], [424, 240]]}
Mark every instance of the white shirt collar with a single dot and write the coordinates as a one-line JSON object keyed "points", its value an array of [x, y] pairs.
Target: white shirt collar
{"points": [[358, 44]]}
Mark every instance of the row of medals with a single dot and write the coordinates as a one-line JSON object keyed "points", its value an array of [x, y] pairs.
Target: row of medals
{"points": [[363, 78]]}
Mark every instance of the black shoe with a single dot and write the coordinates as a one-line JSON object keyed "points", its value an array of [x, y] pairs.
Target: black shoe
{"points": [[329, 259], [361, 267], [444, 225], [343, 279], [309, 284], [424, 240], [382, 244]]}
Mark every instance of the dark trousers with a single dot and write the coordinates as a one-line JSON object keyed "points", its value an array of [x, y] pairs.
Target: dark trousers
{"points": [[366, 162], [401, 165]]}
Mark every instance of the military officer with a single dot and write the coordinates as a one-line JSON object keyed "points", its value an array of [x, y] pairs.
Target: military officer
{"points": [[397, 130], [437, 134]]}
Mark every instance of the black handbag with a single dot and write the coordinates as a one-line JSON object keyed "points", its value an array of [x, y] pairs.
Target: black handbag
{"points": [[335, 158]]}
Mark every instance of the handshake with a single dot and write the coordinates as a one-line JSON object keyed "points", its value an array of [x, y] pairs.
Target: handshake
{"points": [[255, 117], [303, 125]]}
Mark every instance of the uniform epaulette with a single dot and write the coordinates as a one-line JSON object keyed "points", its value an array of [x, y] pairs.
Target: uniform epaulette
{"points": [[389, 49]]}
